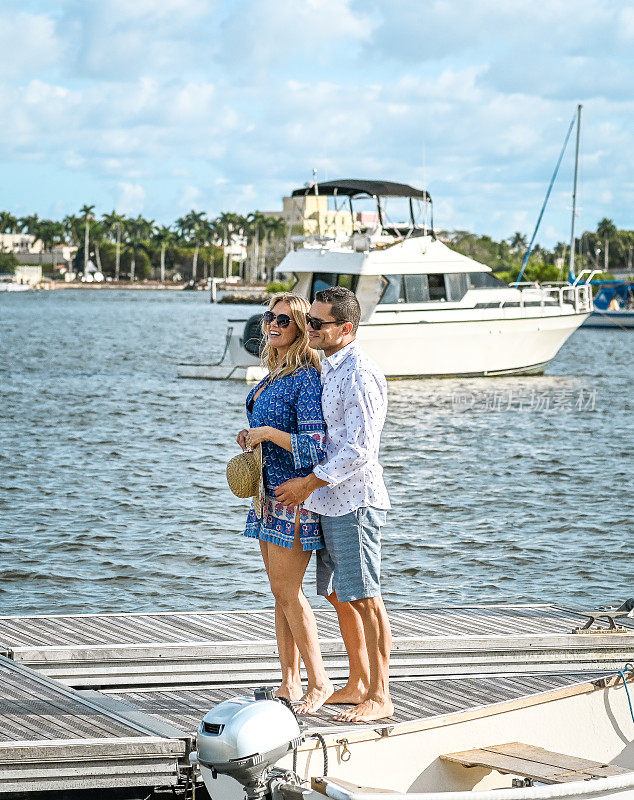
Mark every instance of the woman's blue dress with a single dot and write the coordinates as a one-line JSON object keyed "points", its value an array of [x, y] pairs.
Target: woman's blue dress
{"points": [[291, 404]]}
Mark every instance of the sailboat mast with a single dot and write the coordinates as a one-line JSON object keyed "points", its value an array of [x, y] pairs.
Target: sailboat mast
{"points": [[571, 263]]}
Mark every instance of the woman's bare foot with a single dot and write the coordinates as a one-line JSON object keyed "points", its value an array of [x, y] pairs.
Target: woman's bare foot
{"points": [[314, 699], [290, 691], [367, 711], [352, 693]]}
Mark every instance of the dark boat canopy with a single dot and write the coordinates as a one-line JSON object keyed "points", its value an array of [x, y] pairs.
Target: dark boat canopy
{"points": [[351, 188]]}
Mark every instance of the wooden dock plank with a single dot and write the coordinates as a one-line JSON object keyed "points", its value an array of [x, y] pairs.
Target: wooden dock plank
{"points": [[413, 699], [101, 650], [51, 737]]}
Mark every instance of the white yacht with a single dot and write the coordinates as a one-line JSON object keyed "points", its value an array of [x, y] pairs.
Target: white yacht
{"points": [[427, 311]]}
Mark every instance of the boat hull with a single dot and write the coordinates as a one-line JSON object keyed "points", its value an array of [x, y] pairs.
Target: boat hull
{"points": [[582, 721], [423, 349], [513, 346]]}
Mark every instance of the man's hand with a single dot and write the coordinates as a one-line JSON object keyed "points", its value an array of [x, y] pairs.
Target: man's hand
{"points": [[294, 491]]}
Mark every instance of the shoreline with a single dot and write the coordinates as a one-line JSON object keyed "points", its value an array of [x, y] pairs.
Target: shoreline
{"points": [[149, 286]]}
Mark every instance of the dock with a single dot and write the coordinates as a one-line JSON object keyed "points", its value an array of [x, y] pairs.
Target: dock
{"points": [[101, 701], [106, 650]]}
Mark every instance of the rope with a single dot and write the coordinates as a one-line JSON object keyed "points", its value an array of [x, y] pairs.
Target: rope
{"points": [[324, 748], [621, 672], [286, 702], [545, 203]]}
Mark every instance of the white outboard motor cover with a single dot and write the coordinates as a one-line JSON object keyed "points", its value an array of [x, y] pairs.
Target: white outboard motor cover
{"points": [[243, 736]]}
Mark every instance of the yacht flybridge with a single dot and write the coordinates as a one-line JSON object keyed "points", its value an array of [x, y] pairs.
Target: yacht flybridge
{"points": [[426, 310]]}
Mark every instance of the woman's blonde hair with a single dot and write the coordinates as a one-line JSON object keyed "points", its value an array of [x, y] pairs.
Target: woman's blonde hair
{"points": [[300, 354]]}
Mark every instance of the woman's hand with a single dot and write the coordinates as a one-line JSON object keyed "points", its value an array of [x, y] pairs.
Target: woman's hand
{"points": [[242, 439], [257, 435]]}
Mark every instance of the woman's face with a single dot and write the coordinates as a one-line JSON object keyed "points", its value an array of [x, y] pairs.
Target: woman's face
{"points": [[279, 337]]}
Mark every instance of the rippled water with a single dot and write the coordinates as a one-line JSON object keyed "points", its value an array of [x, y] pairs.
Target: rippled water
{"points": [[112, 488]]}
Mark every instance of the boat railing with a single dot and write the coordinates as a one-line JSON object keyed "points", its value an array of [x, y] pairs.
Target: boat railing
{"points": [[590, 273], [578, 295]]}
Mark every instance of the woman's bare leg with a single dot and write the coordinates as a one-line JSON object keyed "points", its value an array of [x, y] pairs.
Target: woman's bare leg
{"points": [[286, 570], [291, 686]]}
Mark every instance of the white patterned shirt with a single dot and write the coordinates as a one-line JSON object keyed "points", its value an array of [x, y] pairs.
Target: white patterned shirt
{"points": [[354, 402]]}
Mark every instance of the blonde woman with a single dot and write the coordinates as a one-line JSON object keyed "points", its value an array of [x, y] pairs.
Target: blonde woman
{"points": [[284, 412]]}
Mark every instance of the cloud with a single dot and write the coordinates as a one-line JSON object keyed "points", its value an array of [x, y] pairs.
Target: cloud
{"points": [[131, 198], [229, 104], [28, 43], [190, 197]]}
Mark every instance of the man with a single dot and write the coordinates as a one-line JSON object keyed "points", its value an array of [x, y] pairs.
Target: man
{"points": [[349, 492]]}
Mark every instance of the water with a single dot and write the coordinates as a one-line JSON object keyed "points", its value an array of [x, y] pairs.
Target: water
{"points": [[112, 487]]}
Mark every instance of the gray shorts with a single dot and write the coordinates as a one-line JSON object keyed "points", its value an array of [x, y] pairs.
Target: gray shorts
{"points": [[350, 563]]}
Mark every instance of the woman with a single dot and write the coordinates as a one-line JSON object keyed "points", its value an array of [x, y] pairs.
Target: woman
{"points": [[284, 412]]}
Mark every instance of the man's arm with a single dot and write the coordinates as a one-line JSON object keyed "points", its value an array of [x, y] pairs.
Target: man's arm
{"points": [[293, 492]]}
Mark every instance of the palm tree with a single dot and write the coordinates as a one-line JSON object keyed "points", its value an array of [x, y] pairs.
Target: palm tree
{"points": [[46, 235], [256, 231], [518, 242], [72, 228], [8, 222], [228, 223], [30, 224], [276, 228], [114, 225], [242, 228], [86, 210], [163, 236], [98, 237], [192, 227], [606, 229], [138, 232]]}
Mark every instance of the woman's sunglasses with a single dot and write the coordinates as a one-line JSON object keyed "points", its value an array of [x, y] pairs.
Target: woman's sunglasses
{"points": [[318, 324], [283, 320]]}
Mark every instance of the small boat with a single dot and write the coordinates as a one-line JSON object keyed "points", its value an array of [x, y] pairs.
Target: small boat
{"points": [[7, 284], [613, 305], [572, 739], [427, 311]]}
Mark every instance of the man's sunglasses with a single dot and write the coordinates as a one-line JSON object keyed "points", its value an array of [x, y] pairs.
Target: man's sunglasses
{"points": [[318, 324], [283, 320]]}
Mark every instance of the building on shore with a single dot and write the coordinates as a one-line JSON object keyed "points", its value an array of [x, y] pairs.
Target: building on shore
{"points": [[28, 275], [314, 215], [29, 250]]}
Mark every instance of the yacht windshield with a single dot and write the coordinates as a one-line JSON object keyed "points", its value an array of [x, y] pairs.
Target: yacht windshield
{"points": [[398, 215], [365, 213], [324, 280]]}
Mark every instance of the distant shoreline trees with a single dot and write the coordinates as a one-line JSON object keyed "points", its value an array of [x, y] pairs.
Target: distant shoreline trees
{"points": [[607, 249], [195, 247]]}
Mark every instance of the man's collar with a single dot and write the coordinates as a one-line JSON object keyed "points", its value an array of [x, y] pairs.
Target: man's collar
{"points": [[336, 359]]}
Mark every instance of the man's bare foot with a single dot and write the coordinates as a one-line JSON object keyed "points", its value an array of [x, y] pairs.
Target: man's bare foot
{"points": [[367, 711], [314, 699], [351, 693], [289, 691]]}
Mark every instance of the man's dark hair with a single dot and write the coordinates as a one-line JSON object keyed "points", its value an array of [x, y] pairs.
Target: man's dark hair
{"points": [[345, 306]]}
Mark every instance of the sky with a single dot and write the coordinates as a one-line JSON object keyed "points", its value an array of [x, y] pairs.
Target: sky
{"points": [[156, 108]]}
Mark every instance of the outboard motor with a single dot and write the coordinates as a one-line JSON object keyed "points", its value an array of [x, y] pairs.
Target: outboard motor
{"points": [[253, 336], [242, 738]]}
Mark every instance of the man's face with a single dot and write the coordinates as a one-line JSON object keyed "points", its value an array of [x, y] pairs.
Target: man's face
{"points": [[330, 335]]}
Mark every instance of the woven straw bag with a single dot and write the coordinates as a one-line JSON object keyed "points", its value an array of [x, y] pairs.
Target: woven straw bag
{"points": [[245, 477]]}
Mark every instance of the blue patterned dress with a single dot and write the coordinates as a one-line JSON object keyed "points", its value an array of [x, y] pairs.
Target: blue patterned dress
{"points": [[291, 404]]}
